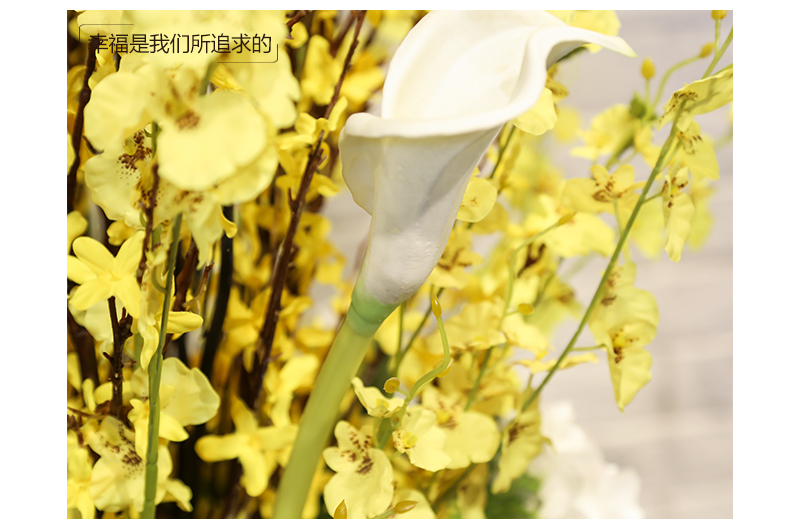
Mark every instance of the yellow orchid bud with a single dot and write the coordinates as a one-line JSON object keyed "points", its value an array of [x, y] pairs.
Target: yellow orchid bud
{"points": [[391, 385], [706, 49], [648, 68], [341, 512], [436, 308], [718, 14], [525, 309], [404, 506], [565, 219]]}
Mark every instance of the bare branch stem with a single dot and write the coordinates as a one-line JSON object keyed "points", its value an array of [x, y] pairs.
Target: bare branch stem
{"points": [[79, 122]]}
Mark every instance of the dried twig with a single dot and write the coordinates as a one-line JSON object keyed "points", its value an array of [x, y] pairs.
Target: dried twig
{"points": [[251, 391], [79, 121], [263, 348], [335, 46], [121, 331], [360, 16], [183, 281], [86, 415], [189, 464], [299, 15], [184, 278], [235, 496], [73, 425]]}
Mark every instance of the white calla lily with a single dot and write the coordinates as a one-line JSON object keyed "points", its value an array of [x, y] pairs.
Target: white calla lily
{"points": [[451, 86], [456, 79]]}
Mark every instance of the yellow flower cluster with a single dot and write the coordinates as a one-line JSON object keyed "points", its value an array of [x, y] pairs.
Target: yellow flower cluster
{"points": [[202, 339]]}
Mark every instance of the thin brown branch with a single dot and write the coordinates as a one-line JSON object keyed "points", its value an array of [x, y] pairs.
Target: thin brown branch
{"points": [[148, 209], [85, 415], [121, 331], [360, 16], [83, 343], [335, 46], [183, 281], [73, 425], [251, 392], [184, 278], [263, 348], [299, 15], [79, 121]]}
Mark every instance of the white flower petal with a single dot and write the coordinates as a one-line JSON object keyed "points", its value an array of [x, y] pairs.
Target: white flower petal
{"points": [[456, 79]]}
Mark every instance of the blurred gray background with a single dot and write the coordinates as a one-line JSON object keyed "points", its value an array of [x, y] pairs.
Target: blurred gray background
{"points": [[677, 434]]}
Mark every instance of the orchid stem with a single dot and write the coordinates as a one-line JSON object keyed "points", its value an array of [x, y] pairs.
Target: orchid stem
{"points": [[599, 292], [473, 392], [389, 425], [154, 379], [664, 79], [718, 55], [508, 298], [595, 347], [428, 378], [502, 151]]}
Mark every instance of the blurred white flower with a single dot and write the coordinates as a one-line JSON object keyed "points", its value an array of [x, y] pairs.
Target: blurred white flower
{"points": [[456, 79], [576, 481]]}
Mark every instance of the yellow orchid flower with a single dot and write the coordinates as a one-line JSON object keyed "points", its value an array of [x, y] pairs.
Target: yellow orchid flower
{"points": [[625, 321], [118, 477], [376, 404], [521, 443], [702, 96], [472, 437], [678, 211], [364, 474], [420, 438]]}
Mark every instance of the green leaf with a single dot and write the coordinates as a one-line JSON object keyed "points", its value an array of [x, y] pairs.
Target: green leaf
{"points": [[519, 502]]}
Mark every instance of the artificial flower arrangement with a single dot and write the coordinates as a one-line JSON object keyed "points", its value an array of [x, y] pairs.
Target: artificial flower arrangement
{"points": [[198, 372]]}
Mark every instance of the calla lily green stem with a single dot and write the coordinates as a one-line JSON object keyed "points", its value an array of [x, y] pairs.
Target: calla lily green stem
{"points": [[364, 317]]}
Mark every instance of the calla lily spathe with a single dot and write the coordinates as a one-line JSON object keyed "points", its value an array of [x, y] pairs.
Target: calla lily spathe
{"points": [[456, 79]]}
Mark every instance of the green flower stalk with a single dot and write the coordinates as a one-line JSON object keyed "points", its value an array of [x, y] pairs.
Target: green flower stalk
{"points": [[364, 317], [154, 379]]}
